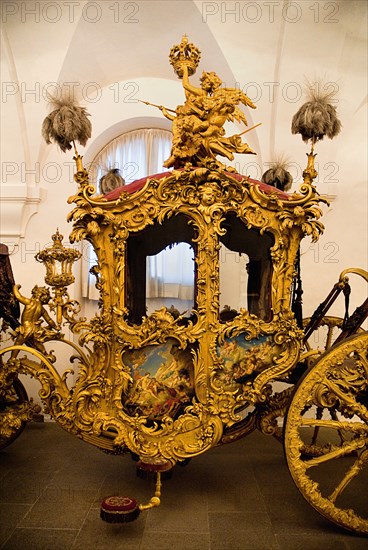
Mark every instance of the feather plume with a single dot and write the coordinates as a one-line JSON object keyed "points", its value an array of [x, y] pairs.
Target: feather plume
{"points": [[111, 180], [67, 123], [316, 118], [278, 176]]}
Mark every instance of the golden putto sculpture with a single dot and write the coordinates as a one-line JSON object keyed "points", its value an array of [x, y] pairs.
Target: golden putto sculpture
{"points": [[167, 387], [198, 132]]}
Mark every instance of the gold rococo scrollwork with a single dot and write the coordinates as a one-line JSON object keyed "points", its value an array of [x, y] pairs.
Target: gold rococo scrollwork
{"points": [[223, 372], [205, 193], [205, 196]]}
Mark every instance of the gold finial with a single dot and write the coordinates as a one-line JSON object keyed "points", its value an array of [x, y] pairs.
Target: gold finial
{"points": [[58, 239], [310, 173], [78, 161]]}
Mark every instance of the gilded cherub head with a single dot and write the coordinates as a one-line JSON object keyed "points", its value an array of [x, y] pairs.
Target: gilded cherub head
{"points": [[41, 293], [210, 82]]}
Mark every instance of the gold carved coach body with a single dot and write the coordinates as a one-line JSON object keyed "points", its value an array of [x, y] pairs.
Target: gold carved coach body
{"points": [[210, 370], [168, 387]]}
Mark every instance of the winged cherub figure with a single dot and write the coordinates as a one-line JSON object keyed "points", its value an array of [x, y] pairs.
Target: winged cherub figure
{"points": [[31, 330], [200, 122]]}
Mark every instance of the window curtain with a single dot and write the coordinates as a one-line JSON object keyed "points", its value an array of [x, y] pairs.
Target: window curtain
{"points": [[139, 153], [171, 273]]}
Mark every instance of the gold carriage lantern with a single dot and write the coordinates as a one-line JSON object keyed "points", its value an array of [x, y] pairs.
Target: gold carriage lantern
{"points": [[59, 262]]}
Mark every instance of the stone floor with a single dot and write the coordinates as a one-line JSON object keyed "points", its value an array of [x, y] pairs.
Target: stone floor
{"points": [[235, 497]]}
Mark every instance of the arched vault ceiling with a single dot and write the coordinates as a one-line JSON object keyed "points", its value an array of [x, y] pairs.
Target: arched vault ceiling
{"points": [[119, 51], [268, 52]]}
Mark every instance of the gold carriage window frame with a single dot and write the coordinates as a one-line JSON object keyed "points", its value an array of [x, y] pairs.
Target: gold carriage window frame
{"points": [[138, 153]]}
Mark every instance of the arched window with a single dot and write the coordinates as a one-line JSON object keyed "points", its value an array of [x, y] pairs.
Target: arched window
{"points": [[170, 274], [136, 154]]}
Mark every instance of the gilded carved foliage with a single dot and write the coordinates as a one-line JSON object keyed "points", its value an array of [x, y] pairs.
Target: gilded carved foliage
{"points": [[205, 196], [305, 218], [157, 328], [192, 433]]}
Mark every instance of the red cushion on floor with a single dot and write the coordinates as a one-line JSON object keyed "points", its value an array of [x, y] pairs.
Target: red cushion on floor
{"points": [[118, 509], [119, 503]]}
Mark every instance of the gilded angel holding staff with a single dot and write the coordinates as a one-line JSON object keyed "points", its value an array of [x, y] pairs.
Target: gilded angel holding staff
{"points": [[198, 125]]}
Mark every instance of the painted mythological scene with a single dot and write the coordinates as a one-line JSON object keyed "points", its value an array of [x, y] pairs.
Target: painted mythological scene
{"points": [[162, 380], [242, 358]]}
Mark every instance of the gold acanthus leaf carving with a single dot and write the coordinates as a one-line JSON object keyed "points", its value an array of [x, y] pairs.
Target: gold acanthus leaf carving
{"points": [[157, 328], [305, 218], [193, 433]]}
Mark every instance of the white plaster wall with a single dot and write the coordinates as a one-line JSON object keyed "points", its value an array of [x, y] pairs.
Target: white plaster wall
{"points": [[122, 56]]}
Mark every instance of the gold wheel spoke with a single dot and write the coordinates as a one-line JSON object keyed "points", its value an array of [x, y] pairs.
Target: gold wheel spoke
{"points": [[319, 414], [346, 448], [338, 425], [352, 472], [333, 414]]}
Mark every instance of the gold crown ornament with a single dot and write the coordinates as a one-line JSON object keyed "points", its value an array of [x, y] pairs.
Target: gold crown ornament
{"points": [[187, 54]]}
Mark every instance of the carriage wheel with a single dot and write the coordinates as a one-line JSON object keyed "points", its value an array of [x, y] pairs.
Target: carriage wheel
{"points": [[321, 340], [334, 481], [19, 396]]}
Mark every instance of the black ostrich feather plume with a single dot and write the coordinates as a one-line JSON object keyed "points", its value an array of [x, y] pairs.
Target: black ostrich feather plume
{"points": [[278, 176], [316, 118], [67, 123], [111, 180]]}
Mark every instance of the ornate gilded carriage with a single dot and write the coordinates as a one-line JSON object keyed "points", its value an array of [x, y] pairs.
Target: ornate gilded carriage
{"points": [[169, 386], [202, 207]]}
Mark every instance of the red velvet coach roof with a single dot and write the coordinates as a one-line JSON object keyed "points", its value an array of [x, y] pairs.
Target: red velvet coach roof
{"points": [[138, 184]]}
